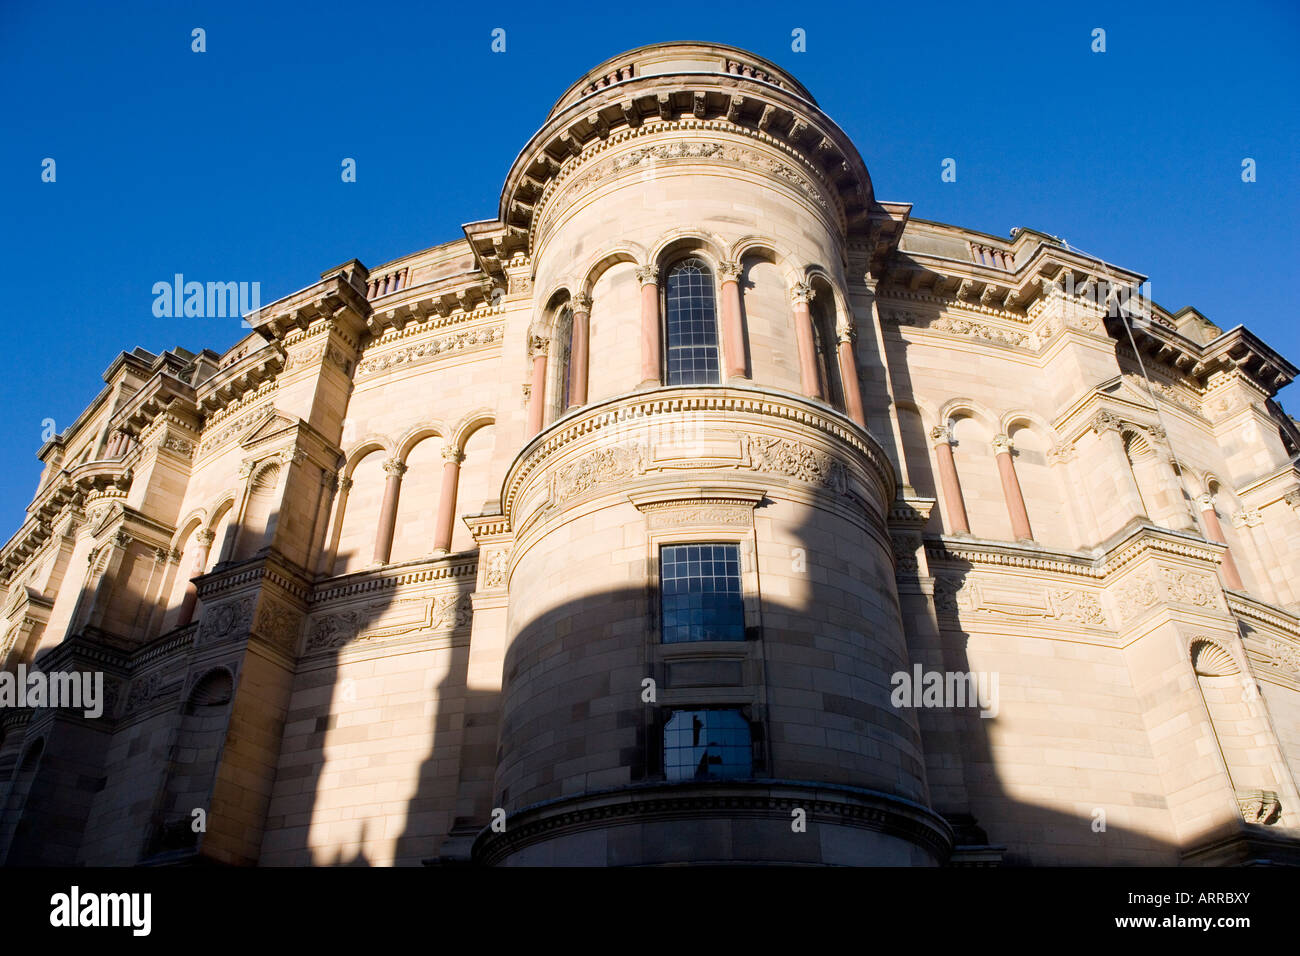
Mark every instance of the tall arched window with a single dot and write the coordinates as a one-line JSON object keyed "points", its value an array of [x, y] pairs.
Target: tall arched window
{"points": [[824, 345], [564, 348], [691, 321]]}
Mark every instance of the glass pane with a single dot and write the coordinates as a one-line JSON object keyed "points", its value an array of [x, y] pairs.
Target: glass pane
{"points": [[692, 327], [699, 587], [707, 745]]}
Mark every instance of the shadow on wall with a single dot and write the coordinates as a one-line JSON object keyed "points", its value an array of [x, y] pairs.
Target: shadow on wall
{"points": [[342, 780]]}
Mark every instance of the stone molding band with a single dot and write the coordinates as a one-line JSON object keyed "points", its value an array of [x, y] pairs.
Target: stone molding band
{"points": [[728, 799]]}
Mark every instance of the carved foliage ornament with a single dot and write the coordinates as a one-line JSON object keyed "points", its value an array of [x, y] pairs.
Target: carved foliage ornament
{"points": [[714, 514], [495, 567], [607, 464], [434, 348], [795, 460], [964, 327], [226, 620], [441, 613]]}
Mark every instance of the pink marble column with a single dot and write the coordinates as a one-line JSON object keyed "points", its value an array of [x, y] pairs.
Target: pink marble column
{"points": [[849, 376], [579, 353], [952, 499], [1214, 531], [204, 541], [733, 337], [809, 380], [1015, 499], [447, 499], [651, 361], [537, 394], [388, 510]]}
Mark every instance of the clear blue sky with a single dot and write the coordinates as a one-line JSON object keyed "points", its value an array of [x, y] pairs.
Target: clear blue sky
{"points": [[225, 165]]}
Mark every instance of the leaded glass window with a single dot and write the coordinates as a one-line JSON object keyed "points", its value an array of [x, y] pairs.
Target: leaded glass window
{"points": [[707, 745], [700, 592], [692, 325]]}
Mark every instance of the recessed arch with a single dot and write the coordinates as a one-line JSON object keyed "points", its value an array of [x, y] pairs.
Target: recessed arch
{"points": [[967, 408], [680, 243], [213, 689], [195, 520], [761, 247], [1026, 418], [469, 424], [608, 257], [417, 434], [364, 447]]}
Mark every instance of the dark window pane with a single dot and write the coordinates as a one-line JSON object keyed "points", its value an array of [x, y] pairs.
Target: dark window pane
{"points": [[700, 593], [707, 745], [692, 327]]}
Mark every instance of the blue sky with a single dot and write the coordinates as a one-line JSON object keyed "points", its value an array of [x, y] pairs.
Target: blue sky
{"points": [[225, 165]]}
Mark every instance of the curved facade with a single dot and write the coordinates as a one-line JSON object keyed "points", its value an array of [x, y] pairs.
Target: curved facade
{"points": [[700, 507]]}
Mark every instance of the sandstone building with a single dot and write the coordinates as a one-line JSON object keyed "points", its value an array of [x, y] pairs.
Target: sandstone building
{"points": [[613, 522]]}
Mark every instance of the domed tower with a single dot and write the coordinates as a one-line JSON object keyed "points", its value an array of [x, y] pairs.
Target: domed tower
{"points": [[703, 618]]}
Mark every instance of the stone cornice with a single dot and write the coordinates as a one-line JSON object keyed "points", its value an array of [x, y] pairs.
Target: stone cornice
{"points": [[739, 104], [1098, 565], [239, 381], [726, 401], [231, 577], [570, 170], [333, 299], [423, 571], [754, 799], [1245, 606]]}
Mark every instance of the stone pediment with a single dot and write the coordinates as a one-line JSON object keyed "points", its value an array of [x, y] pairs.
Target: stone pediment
{"points": [[274, 425]]}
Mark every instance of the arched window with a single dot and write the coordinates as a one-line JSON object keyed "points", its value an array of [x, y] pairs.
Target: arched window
{"points": [[824, 345], [564, 349], [690, 309]]}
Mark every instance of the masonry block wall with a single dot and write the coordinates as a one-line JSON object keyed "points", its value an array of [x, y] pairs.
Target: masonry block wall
{"points": [[388, 582]]}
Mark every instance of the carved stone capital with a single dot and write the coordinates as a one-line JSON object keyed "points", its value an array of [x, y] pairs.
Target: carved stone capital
{"points": [[1104, 421], [1247, 518], [801, 293], [647, 275], [941, 434], [205, 537], [453, 455], [1205, 502], [581, 302], [538, 345], [1060, 454], [395, 467], [729, 271], [1002, 445], [343, 482]]}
